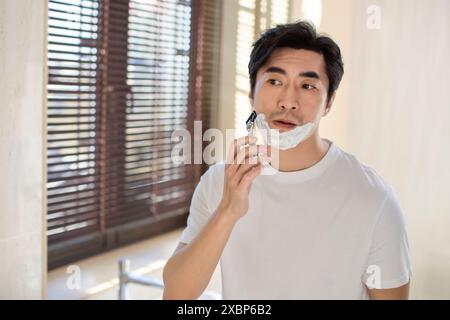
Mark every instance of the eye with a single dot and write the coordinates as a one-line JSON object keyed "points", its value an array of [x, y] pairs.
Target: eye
{"points": [[308, 86], [274, 82]]}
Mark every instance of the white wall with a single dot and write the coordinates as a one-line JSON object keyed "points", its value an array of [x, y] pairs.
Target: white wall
{"points": [[393, 112], [22, 148]]}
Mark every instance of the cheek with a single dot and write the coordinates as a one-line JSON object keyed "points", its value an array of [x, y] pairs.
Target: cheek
{"points": [[316, 100], [312, 105], [263, 98]]}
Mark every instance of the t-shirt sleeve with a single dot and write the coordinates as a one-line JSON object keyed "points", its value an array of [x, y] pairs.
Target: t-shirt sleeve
{"points": [[388, 265], [200, 208]]}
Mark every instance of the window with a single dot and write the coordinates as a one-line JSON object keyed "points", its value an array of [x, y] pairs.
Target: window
{"points": [[254, 17], [120, 77]]}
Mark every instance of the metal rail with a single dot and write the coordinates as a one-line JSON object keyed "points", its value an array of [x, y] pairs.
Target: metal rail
{"points": [[126, 277]]}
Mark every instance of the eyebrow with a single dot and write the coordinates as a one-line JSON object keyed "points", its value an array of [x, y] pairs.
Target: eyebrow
{"points": [[306, 74]]}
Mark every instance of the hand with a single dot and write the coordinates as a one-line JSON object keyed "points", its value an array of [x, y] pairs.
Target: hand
{"points": [[241, 168]]}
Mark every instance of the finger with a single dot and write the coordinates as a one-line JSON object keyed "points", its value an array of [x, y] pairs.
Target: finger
{"points": [[250, 151], [243, 168], [249, 158], [231, 166], [236, 145], [249, 176], [264, 160]]}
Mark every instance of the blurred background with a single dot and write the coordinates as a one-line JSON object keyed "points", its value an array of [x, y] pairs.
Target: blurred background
{"points": [[91, 91]]}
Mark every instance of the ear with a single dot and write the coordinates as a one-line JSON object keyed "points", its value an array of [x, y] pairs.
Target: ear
{"points": [[250, 97], [329, 104]]}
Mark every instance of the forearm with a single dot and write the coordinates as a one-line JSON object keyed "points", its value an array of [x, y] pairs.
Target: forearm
{"points": [[400, 293], [189, 271]]}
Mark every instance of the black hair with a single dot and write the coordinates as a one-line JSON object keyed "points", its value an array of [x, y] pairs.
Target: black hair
{"points": [[298, 35]]}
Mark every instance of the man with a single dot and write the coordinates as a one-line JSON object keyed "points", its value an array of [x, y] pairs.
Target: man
{"points": [[325, 226]]}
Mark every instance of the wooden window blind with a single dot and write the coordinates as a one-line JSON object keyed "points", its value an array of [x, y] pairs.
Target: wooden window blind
{"points": [[122, 76]]}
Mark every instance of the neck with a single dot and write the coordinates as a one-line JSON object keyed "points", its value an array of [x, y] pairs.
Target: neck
{"points": [[305, 155]]}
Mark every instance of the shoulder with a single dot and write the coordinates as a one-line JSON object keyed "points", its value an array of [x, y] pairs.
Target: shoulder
{"points": [[363, 177], [371, 190], [210, 186], [215, 174]]}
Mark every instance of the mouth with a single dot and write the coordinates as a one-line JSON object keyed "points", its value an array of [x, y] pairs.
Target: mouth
{"points": [[283, 124]]}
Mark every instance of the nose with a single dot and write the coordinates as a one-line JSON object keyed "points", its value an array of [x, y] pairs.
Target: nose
{"points": [[288, 106], [289, 99]]}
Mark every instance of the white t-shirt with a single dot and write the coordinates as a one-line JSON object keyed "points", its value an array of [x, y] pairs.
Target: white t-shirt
{"points": [[318, 233]]}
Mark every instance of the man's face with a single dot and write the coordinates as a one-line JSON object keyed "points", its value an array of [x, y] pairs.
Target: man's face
{"points": [[291, 86]]}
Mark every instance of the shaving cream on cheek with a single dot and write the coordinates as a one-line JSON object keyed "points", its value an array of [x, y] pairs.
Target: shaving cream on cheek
{"points": [[282, 140]]}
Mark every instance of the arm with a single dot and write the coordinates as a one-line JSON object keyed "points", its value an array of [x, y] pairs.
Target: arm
{"points": [[189, 270], [400, 293], [390, 254]]}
